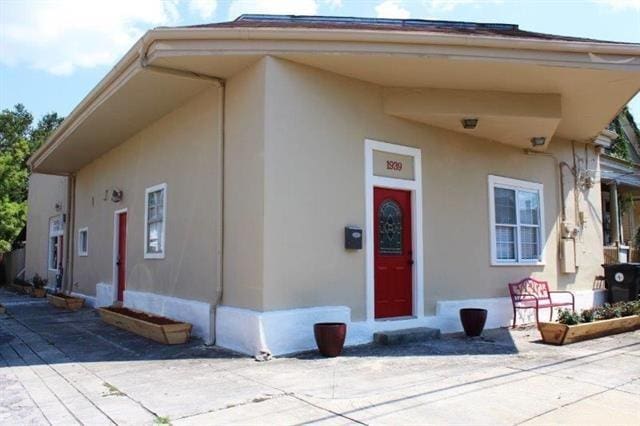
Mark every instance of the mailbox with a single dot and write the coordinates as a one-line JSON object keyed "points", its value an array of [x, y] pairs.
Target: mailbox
{"points": [[352, 238]]}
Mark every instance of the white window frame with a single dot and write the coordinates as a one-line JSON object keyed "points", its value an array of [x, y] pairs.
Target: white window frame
{"points": [[161, 253], [516, 185], [57, 234], [84, 231]]}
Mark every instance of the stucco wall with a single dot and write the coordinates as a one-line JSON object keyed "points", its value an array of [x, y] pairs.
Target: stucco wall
{"points": [[244, 188], [316, 124], [181, 150], [45, 191]]}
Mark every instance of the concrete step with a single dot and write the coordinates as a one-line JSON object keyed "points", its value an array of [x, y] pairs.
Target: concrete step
{"points": [[407, 335]]}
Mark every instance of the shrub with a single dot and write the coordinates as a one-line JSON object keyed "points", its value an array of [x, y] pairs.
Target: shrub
{"points": [[38, 281], [568, 317], [606, 311], [586, 315]]}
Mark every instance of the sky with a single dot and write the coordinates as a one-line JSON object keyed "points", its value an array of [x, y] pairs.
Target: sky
{"points": [[53, 52]]}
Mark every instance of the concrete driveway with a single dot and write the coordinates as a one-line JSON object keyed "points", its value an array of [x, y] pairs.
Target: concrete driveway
{"points": [[66, 368]]}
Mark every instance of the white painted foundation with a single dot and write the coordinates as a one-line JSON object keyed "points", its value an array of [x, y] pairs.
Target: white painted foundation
{"points": [[287, 331], [192, 311], [104, 295]]}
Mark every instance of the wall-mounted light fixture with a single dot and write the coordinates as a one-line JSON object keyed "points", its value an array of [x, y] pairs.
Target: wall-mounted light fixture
{"points": [[538, 141], [469, 123], [58, 206]]}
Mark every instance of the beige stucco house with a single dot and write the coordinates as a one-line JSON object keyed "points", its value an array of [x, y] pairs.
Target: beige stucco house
{"points": [[257, 176]]}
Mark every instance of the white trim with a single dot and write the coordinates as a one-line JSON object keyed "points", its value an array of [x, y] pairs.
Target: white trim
{"points": [[116, 236], [415, 186], [291, 330], [194, 312], [56, 234], [515, 184], [159, 255], [81, 252]]}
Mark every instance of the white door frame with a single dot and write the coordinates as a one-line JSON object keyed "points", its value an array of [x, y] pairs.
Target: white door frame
{"points": [[116, 240], [415, 187]]}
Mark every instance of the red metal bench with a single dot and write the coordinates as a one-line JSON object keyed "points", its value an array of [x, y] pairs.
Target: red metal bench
{"points": [[533, 294]]}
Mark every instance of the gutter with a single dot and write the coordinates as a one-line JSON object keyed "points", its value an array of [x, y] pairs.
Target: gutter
{"points": [[377, 36]]}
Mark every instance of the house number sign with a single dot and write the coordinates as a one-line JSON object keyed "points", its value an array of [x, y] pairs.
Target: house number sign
{"points": [[387, 164], [394, 165]]}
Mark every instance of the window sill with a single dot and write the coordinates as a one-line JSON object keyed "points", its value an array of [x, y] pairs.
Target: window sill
{"points": [[154, 255], [518, 263], [83, 254]]}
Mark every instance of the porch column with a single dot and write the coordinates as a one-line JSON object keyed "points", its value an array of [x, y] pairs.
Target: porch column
{"points": [[615, 216]]}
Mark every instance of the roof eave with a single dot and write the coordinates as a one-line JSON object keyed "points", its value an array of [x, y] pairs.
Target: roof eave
{"points": [[372, 36]]}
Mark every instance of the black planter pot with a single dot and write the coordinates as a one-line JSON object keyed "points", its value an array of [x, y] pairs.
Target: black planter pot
{"points": [[330, 337], [473, 320]]}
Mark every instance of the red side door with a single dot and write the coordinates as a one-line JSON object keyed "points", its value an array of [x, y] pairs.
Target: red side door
{"points": [[393, 253], [122, 254]]}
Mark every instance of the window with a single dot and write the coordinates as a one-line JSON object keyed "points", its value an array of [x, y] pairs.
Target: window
{"points": [[83, 242], [390, 228], [517, 227], [154, 218], [56, 243]]}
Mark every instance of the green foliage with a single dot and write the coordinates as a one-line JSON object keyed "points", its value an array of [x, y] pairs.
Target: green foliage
{"points": [[636, 239], [621, 146], [606, 311], [18, 140], [587, 315], [38, 281], [568, 317]]}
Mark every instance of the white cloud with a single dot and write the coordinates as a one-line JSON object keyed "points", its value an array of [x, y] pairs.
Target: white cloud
{"points": [[619, 5], [444, 6], [203, 8], [279, 7], [63, 35], [392, 9], [333, 4]]}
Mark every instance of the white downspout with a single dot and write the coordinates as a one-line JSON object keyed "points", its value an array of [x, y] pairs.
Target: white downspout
{"points": [[220, 83]]}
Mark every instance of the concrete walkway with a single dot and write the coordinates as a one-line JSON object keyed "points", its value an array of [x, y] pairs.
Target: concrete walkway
{"points": [[66, 368]]}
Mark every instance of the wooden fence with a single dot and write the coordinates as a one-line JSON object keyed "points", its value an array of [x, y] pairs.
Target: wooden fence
{"points": [[610, 255], [13, 264]]}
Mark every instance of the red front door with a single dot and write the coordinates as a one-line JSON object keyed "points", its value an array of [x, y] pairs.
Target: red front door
{"points": [[122, 254], [393, 253]]}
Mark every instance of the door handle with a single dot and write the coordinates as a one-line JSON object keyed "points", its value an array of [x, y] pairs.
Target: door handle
{"points": [[411, 262]]}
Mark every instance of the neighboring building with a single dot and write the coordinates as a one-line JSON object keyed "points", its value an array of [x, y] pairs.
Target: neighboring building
{"points": [[213, 171], [46, 251], [620, 172]]}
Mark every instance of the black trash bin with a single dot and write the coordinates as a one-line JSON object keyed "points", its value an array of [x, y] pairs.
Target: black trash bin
{"points": [[623, 281]]}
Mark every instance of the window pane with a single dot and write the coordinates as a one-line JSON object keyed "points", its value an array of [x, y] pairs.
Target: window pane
{"points": [[160, 199], [390, 228], [84, 241], [505, 205], [53, 250], [529, 246], [505, 242], [154, 243], [528, 203]]}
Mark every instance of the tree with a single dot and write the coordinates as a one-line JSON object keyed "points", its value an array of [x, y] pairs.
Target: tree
{"points": [[18, 140]]}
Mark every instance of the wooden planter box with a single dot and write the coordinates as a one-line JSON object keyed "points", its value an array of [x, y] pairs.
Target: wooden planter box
{"points": [[22, 289], [561, 334], [38, 292], [66, 302], [160, 329]]}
